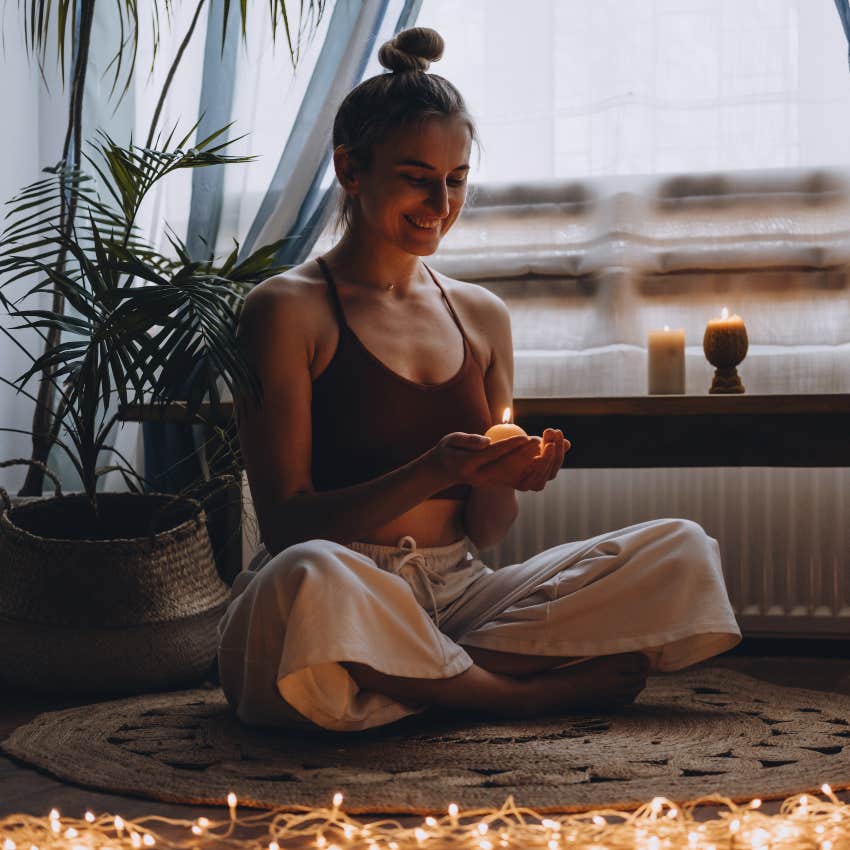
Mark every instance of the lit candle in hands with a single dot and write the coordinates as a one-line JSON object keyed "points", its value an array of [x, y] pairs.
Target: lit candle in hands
{"points": [[504, 429]]}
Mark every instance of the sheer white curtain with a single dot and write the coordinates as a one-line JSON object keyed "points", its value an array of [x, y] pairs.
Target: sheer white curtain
{"points": [[575, 88]]}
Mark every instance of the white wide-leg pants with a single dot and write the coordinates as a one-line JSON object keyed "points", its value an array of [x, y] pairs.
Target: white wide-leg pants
{"points": [[656, 586]]}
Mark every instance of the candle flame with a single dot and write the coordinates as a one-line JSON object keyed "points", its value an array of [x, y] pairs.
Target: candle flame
{"points": [[506, 416], [666, 327], [724, 313]]}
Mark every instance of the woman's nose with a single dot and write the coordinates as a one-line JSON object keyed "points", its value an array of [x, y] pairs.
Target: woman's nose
{"points": [[439, 199]]}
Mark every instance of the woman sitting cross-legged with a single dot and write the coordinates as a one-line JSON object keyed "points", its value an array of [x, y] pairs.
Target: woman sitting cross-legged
{"points": [[370, 476]]}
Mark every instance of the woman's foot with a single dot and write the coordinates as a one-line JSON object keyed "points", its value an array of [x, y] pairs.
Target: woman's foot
{"points": [[600, 684]]}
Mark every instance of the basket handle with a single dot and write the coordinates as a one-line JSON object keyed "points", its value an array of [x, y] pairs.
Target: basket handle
{"points": [[7, 503]]}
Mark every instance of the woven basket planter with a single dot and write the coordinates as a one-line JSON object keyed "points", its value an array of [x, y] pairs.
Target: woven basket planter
{"points": [[108, 617]]}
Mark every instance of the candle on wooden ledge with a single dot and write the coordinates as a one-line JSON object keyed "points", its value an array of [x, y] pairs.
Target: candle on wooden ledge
{"points": [[504, 429], [666, 362], [725, 345]]}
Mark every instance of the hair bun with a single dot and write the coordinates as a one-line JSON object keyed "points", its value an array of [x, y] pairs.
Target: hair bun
{"points": [[413, 49]]}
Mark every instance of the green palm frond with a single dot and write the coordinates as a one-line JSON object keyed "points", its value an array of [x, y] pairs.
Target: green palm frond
{"points": [[130, 173], [142, 326], [32, 228], [46, 19]]}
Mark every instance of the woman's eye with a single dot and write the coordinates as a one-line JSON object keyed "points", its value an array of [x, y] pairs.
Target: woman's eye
{"points": [[423, 181]]}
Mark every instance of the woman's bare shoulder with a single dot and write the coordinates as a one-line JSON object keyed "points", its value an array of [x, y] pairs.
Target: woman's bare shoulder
{"points": [[302, 283], [475, 300], [295, 296]]}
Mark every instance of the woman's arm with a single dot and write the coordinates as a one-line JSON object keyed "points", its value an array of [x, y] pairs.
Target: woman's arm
{"points": [[491, 510]]}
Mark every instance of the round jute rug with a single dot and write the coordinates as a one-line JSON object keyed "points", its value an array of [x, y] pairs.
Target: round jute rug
{"points": [[689, 734]]}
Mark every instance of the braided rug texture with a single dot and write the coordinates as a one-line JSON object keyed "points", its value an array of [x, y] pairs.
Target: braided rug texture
{"points": [[689, 734]]}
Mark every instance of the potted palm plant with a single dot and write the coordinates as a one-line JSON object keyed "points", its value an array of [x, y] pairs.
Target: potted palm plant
{"points": [[115, 592]]}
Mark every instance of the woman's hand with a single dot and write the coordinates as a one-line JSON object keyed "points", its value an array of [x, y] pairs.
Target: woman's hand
{"points": [[549, 459], [475, 460]]}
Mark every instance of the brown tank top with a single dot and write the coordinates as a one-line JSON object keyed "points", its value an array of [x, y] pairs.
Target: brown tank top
{"points": [[369, 420]]}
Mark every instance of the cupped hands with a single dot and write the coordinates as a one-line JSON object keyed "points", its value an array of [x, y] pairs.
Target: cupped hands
{"points": [[521, 462]]}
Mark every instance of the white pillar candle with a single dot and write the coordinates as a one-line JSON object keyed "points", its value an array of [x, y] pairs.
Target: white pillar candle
{"points": [[666, 362]]}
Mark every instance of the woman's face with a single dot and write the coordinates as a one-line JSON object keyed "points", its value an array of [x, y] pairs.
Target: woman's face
{"points": [[415, 187]]}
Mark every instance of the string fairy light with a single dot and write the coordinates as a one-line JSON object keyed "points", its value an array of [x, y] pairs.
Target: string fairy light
{"points": [[804, 822]]}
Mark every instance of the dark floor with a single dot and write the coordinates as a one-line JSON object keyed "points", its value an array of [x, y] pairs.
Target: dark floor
{"points": [[820, 665]]}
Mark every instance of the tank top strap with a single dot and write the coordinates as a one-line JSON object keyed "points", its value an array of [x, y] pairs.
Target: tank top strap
{"points": [[451, 308], [335, 299]]}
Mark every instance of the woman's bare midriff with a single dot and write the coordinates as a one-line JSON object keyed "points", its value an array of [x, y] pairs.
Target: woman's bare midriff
{"points": [[435, 522]]}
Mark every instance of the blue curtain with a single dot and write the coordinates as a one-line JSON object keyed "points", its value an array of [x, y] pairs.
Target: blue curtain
{"points": [[843, 7]]}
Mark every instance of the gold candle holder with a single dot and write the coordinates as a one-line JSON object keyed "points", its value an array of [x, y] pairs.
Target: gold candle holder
{"points": [[725, 345]]}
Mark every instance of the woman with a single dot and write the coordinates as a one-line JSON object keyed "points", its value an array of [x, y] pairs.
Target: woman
{"points": [[370, 476]]}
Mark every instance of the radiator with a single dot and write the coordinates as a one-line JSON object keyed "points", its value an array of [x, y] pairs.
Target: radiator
{"points": [[784, 534]]}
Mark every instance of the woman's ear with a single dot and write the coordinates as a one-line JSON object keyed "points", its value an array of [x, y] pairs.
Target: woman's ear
{"points": [[346, 169]]}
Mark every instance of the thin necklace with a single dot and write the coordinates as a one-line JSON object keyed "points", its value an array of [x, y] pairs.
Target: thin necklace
{"points": [[388, 287]]}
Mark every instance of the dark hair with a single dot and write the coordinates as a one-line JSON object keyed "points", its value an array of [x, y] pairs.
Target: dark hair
{"points": [[406, 96]]}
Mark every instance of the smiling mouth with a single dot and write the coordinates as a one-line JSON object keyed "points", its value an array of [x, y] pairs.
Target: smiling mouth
{"points": [[424, 223]]}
